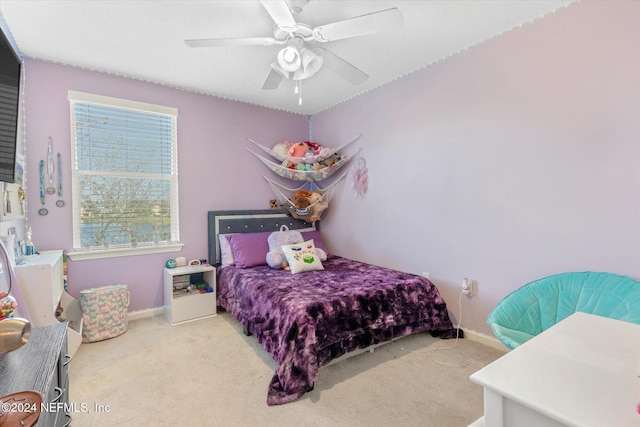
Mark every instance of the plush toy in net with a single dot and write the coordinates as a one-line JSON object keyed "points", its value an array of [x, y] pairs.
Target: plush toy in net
{"points": [[306, 202]]}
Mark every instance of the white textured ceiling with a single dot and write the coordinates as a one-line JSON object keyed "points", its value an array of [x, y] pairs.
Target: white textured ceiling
{"points": [[145, 40]]}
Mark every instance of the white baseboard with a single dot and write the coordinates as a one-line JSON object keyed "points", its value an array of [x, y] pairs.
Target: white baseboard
{"points": [[484, 339], [477, 423], [141, 314]]}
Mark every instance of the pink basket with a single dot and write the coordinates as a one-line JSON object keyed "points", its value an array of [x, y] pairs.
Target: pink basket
{"points": [[104, 312]]}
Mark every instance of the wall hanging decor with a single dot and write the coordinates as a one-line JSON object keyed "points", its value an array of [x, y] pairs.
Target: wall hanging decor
{"points": [[59, 202], [360, 177], [50, 189], [42, 210]]}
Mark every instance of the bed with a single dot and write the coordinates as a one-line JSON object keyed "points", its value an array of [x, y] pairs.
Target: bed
{"points": [[309, 319]]}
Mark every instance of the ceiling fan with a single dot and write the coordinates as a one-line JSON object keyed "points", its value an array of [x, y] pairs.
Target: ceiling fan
{"points": [[300, 59]]}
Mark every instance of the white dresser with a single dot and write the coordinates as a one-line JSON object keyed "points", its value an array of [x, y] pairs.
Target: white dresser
{"points": [[41, 283], [583, 371], [40, 365]]}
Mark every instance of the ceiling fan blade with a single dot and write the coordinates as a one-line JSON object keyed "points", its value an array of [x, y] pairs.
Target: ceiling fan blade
{"points": [[361, 25], [249, 41], [280, 13], [341, 67], [273, 80]]}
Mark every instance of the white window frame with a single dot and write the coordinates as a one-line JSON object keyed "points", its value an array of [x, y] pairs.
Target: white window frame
{"points": [[94, 252]]}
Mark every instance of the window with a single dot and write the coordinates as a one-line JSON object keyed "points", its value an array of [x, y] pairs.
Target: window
{"points": [[124, 175]]}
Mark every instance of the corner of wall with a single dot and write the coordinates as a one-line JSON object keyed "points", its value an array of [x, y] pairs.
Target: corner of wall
{"points": [[485, 339], [310, 125]]}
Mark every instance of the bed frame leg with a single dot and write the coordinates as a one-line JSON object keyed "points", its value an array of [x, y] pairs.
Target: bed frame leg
{"points": [[245, 331]]}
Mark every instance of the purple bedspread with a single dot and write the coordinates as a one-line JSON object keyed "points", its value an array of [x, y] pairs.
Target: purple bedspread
{"points": [[305, 320]]}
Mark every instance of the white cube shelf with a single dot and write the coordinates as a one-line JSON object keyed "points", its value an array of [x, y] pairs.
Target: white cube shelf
{"points": [[186, 308]]}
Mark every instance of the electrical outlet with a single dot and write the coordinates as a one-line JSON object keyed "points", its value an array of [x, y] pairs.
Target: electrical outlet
{"points": [[426, 275], [467, 286]]}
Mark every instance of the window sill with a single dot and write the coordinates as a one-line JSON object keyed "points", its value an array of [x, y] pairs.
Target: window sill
{"points": [[118, 252]]}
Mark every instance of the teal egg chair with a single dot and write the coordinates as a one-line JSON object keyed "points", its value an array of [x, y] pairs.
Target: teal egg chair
{"points": [[540, 304]]}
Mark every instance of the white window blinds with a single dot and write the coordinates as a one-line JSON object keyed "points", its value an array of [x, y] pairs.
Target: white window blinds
{"points": [[124, 173]]}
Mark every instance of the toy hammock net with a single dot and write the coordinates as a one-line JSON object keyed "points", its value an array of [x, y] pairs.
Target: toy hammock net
{"points": [[303, 175], [304, 203]]}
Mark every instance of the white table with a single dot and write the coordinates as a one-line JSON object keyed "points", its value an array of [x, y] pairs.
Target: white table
{"points": [[583, 371]]}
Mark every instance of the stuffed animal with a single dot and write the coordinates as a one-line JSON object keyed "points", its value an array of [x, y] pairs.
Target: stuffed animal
{"points": [[331, 160], [308, 205], [281, 150], [317, 152], [275, 256], [287, 164], [305, 152], [304, 167], [301, 201], [303, 194], [318, 204], [297, 151]]}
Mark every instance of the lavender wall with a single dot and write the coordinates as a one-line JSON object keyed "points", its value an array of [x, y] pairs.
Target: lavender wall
{"points": [[513, 160], [510, 161], [216, 170]]}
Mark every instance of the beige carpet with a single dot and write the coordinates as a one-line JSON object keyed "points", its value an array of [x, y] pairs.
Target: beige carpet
{"points": [[207, 373]]}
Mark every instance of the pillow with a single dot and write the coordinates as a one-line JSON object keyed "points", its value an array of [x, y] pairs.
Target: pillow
{"points": [[226, 255], [249, 249], [277, 239], [302, 257], [317, 239]]}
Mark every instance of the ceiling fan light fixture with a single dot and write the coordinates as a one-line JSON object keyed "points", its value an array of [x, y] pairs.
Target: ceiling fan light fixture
{"points": [[311, 64], [289, 59]]}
